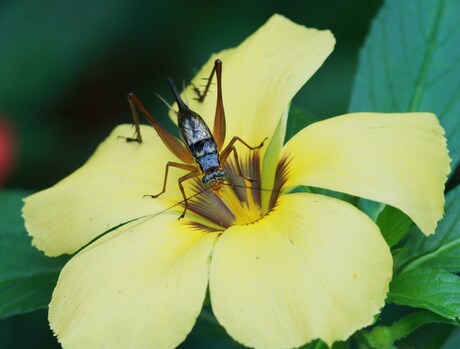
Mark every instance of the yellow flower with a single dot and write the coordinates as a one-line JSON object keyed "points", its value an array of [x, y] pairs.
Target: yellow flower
{"points": [[283, 269]]}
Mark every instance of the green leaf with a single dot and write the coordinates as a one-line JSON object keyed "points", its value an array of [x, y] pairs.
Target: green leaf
{"points": [[441, 250], [384, 337], [371, 208], [409, 63], [334, 194], [432, 289], [27, 277], [393, 224], [298, 119], [209, 334], [318, 344]]}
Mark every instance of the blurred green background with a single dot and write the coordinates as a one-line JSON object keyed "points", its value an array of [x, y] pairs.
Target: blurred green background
{"points": [[66, 67]]}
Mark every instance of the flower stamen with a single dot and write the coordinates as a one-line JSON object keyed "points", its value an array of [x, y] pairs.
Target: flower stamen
{"points": [[245, 212], [238, 202]]}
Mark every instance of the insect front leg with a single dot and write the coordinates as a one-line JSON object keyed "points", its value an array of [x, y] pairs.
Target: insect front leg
{"points": [[193, 174], [231, 148], [236, 138], [178, 165], [237, 162]]}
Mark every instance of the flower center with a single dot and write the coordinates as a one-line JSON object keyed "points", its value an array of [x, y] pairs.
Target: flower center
{"points": [[238, 202], [245, 212]]}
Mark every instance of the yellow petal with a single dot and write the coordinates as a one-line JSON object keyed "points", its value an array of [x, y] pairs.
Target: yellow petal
{"points": [[315, 267], [396, 159], [141, 286], [107, 191], [261, 76]]}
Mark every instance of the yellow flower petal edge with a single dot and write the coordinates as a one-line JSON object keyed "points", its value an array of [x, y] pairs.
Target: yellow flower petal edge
{"points": [[315, 267], [261, 76], [140, 286], [107, 191], [397, 159]]}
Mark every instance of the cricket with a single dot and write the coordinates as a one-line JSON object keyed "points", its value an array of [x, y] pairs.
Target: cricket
{"points": [[202, 153]]}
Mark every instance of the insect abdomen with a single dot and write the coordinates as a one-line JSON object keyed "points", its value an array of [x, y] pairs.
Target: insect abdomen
{"points": [[198, 138], [205, 153]]}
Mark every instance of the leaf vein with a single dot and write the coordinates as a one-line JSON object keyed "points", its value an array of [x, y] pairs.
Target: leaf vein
{"points": [[427, 58]]}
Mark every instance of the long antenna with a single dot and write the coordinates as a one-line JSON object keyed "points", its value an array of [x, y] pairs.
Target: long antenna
{"points": [[167, 104], [244, 186], [152, 215]]}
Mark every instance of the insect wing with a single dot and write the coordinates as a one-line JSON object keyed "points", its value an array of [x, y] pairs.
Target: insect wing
{"points": [[193, 129]]}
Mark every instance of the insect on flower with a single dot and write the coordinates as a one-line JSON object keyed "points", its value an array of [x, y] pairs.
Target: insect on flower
{"points": [[281, 267], [202, 153]]}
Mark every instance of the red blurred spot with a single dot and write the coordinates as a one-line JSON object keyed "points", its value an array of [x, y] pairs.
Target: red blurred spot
{"points": [[6, 150]]}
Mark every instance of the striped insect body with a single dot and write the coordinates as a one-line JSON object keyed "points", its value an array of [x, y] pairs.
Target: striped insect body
{"points": [[199, 140]]}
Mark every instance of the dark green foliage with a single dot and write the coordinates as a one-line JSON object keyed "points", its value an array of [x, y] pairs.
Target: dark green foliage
{"points": [[409, 62], [27, 277], [432, 289], [393, 224], [441, 250], [65, 71]]}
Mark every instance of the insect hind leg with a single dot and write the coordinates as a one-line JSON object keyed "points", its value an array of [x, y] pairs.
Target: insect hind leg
{"points": [[137, 130], [202, 95]]}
